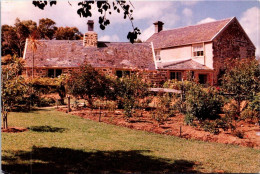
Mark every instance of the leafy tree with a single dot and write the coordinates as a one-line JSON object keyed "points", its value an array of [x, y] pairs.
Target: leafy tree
{"points": [[22, 31], [8, 40], [88, 83], [14, 37], [242, 80], [47, 28], [130, 89], [13, 87], [67, 33], [105, 8], [203, 103]]}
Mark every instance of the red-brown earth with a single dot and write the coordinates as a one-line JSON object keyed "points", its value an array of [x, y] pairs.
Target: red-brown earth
{"points": [[14, 129]]}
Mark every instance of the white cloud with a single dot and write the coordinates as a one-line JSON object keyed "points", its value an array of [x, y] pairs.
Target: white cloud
{"points": [[113, 38], [148, 32], [206, 20], [187, 15], [250, 21], [151, 10], [187, 12]]}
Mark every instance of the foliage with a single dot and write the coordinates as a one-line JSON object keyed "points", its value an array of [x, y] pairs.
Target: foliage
{"points": [[67, 33], [48, 85], [13, 37], [13, 87], [130, 89], [242, 80], [105, 8], [253, 109], [164, 108], [47, 28], [203, 103], [88, 83], [210, 127]]}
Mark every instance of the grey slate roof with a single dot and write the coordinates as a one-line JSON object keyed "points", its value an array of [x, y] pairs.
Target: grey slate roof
{"points": [[72, 53], [188, 35]]}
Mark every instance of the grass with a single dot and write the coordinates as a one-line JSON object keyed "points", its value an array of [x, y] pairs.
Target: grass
{"points": [[62, 143]]}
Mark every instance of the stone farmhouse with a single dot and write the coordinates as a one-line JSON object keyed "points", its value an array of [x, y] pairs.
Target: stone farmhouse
{"points": [[199, 50]]}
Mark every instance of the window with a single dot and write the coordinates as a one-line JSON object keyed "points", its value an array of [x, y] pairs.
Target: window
{"points": [[176, 75], [203, 78], [157, 55], [198, 50], [54, 72], [120, 73]]}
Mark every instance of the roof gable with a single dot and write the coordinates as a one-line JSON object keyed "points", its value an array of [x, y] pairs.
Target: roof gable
{"points": [[188, 35]]}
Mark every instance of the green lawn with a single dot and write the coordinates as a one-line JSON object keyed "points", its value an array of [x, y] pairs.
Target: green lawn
{"points": [[63, 143]]}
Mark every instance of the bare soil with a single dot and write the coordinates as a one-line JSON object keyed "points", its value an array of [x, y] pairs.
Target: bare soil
{"points": [[174, 126], [14, 129]]}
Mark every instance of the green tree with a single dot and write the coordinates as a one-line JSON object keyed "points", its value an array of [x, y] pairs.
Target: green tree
{"points": [[14, 37], [67, 33], [242, 80], [88, 83], [47, 28], [130, 89], [8, 40], [13, 87]]}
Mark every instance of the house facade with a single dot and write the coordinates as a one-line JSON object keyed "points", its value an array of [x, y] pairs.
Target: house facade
{"points": [[198, 51], [201, 49]]}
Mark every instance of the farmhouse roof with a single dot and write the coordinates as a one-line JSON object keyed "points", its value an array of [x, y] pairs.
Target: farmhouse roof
{"points": [[188, 35], [72, 53], [188, 64]]}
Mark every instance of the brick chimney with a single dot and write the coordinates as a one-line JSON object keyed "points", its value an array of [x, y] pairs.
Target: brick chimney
{"points": [[158, 26], [90, 38]]}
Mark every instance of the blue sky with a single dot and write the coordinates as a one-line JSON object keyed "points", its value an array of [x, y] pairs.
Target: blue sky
{"points": [[173, 13]]}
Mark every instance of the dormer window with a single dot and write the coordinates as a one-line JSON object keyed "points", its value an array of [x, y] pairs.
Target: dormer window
{"points": [[198, 50], [157, 55]]}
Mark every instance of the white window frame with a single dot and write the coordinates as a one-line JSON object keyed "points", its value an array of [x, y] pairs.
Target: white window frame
{"points": [[198, 50]]}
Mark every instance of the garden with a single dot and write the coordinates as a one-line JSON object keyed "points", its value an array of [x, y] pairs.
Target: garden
{"points": [[226, 114]]}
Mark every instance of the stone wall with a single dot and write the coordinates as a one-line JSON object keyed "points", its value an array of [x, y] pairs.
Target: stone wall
{"points": [[231, 43]]}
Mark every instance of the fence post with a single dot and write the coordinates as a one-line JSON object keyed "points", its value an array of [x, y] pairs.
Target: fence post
{"points": [[99, 119], [69, 104], [180, 130]]}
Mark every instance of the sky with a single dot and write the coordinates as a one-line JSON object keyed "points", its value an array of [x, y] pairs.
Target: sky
{"points": [[173, 14]]}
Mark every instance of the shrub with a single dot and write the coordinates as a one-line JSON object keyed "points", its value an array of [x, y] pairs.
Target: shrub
{"points": [[88, 83], [160, 115], [203, 103], [43, 102], [242, 79], [211, 127], [239, 134], [130, 89], [252, 112]]}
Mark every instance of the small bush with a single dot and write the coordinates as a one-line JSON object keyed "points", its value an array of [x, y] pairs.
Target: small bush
{"points": [[211, 127], [43, 102], [203, 103], [189, 118], [239, 134]]}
